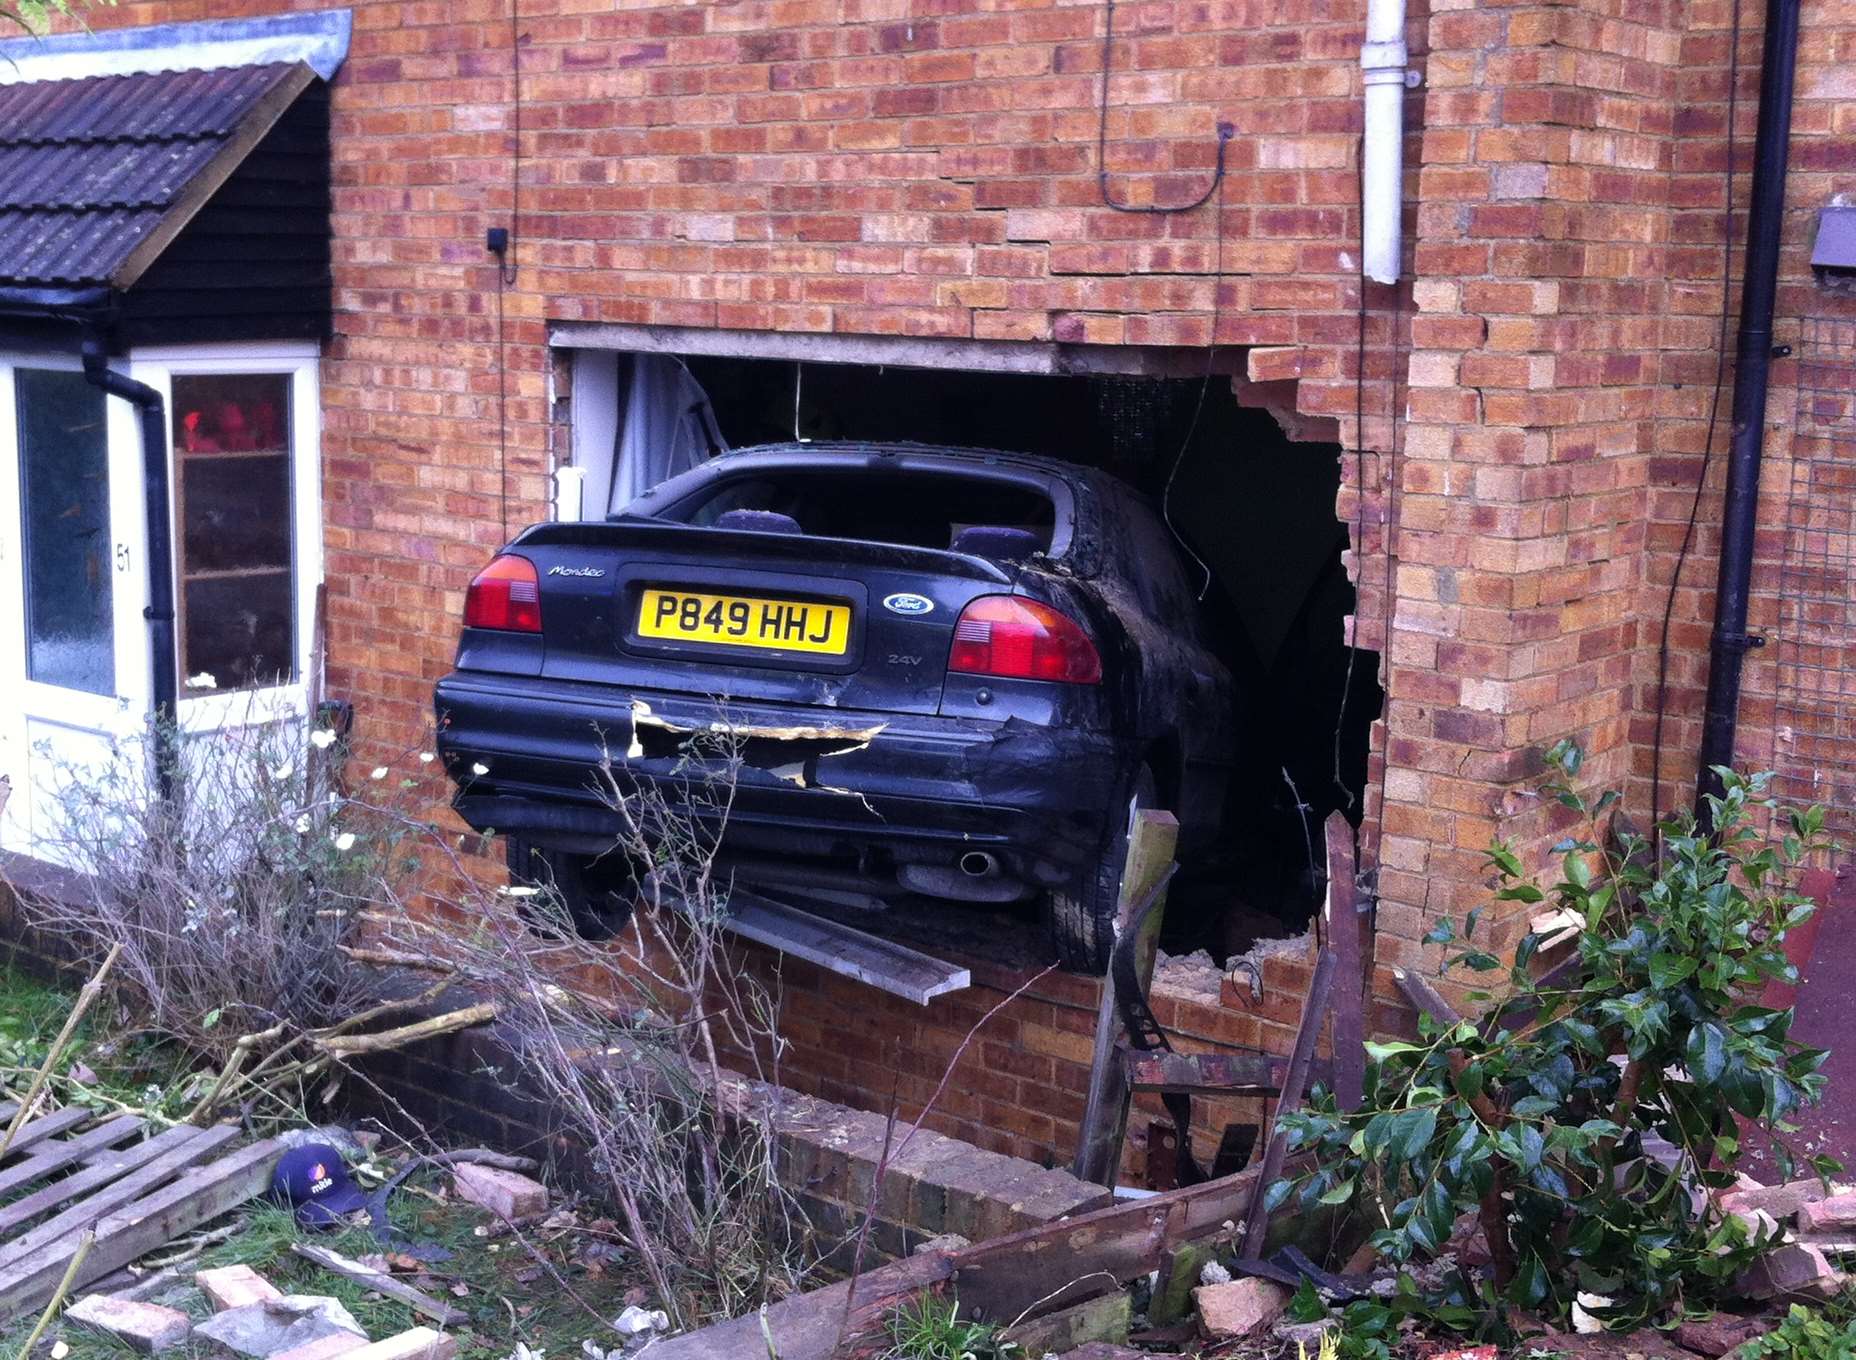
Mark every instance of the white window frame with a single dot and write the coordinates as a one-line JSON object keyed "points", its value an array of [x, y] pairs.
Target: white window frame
{"points": [[301, 360]]}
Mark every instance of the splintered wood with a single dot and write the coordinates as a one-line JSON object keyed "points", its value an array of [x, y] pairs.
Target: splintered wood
{"points": [[73, 1172]]}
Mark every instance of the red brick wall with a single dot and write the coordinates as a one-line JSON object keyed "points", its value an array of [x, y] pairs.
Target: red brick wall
{"points": [[1823, 165], [1534, 400]]}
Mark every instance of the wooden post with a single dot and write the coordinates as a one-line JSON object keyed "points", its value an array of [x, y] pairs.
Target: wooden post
{"points": [[1295, 1087], [1348, 929], [1151, 843]]}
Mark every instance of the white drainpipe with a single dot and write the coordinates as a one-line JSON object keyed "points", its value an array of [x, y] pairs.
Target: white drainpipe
{"points": [[1382, 61]]}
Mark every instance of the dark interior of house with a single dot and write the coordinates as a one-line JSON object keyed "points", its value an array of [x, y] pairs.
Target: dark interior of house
{"points": [[1255, 516]]}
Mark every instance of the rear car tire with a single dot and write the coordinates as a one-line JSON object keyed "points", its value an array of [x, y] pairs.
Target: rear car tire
{"points": [[1081, 919], [597, 893]]}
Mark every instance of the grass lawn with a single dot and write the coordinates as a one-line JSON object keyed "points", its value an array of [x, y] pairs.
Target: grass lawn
{"points": [[553, 1300]]}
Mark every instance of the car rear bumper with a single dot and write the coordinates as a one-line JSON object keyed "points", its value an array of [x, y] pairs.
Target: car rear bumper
{"points": [[808, 781]]}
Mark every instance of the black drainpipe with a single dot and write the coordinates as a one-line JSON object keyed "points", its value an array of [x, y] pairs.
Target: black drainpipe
{"points": [[1753, 363], [165, 681]]}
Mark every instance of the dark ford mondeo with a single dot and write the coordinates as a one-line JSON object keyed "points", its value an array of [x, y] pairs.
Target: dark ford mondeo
{"points": [[952, 673]]}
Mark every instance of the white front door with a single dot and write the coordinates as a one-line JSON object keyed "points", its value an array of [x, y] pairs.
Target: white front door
{"points": [[245, 479], [245, 440], [73, 643]]}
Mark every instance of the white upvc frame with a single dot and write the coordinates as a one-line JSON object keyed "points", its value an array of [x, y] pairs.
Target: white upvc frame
{"points": [[29, 706], [158, 366]]}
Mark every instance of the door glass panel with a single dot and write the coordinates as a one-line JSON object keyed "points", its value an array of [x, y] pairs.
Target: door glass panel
{"points": [[65, 509], [237, 556]]}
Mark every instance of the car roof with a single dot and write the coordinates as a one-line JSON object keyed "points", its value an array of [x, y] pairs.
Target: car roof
{"points": [[827, 449]]}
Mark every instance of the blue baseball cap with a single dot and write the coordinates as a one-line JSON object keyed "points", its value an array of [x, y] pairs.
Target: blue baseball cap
{"points": [[313, 1180]]}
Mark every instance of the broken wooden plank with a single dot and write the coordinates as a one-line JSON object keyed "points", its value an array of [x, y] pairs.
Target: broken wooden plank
{"points": [[99, 1170], [1353, 966], [48, 1126], [382, 1283], [807, 1326], [1424, 997], [1104, 1318], [1152, 842], [127, 1190], [1301, 1054], [869, 959], [1055, 1264], [199, 1196], [1032, 1272], [1217, 1073], [56, 1154]]}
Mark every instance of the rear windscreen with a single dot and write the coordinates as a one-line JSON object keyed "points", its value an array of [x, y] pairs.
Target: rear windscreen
{"points": [[968, 514]]}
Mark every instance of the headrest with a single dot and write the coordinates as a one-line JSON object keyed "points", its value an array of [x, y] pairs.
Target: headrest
{"points": [[758, 522], [996, 541]]}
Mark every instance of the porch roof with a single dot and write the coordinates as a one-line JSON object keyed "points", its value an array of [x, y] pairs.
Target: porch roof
{"points": [[99, 174]]}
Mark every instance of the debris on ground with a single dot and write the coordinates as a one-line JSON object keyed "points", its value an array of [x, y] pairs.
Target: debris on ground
{"points": [[1239, 1308], [229, 1287], [146, 1327], [272, 1326], [507, 1194]]}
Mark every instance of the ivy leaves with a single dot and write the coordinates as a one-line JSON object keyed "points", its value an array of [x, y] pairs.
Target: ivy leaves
{"points": [[1538, 1119]]}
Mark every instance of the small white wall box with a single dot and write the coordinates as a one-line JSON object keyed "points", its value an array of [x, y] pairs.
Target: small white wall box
{"points": [[1833, 254]]}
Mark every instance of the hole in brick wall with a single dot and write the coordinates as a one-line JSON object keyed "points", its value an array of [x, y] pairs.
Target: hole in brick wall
{"points": [[1257, 508]]}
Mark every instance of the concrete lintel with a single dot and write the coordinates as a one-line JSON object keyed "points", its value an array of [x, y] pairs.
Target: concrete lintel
{"points": [[989, 356]]}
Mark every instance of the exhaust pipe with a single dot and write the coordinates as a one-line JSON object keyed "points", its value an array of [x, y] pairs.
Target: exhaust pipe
{"points": [[979, 864]]}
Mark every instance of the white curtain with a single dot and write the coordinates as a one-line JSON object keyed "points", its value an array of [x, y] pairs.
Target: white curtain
{"points": [[667, 427]]}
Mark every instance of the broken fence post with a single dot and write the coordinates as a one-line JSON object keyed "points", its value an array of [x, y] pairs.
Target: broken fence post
{"points": [[1152, 841], [1349, 931], [1295, 1085]]}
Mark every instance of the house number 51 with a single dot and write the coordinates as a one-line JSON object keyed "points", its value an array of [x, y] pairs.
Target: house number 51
{"points": [[122, 557]]}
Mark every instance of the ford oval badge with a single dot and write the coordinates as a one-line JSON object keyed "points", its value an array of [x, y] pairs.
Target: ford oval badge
{"points": [[905, 603]]}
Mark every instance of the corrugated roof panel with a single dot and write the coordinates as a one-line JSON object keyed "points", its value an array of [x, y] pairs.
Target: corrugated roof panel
{"points": [[89, 167], [65, 247], [112, 175], [135, 108]]}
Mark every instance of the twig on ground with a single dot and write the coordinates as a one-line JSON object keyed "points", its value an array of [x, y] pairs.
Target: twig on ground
{"points": [[382, 1283], [84, 1244], [343, 1044], [502, 1161], [241, 1054], [89, 994]]}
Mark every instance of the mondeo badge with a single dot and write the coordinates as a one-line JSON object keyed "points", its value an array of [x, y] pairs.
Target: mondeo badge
{"points": [[576, 571], [906, 603]]}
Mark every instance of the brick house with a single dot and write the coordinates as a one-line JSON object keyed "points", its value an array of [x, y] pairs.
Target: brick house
{"points": [[834, 211]]}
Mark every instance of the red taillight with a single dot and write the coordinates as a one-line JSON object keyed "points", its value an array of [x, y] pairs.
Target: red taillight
{"points": [[506, 595], [1004, 635]]}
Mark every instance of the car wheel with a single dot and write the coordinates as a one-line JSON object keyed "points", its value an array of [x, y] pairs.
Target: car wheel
{"points": [[597, 894], [1081, 918]]}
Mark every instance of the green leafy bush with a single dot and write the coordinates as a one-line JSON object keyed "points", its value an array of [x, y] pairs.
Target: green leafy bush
{"points": [[1805, 1334], [1536, 1119]]}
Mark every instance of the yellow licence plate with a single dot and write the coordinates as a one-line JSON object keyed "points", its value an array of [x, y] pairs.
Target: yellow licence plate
{"points": [[745, 621]]}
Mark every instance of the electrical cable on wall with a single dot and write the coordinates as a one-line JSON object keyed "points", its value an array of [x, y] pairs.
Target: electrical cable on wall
{"points": [[1396, 383], [1225, 132], [500, 241], [1707, 448], [1214, 189], [1198, 408]]}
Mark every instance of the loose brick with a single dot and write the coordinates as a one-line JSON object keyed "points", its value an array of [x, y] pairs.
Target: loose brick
{"points": [[146, 1327], [507, 1194], [234, 1287]]}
